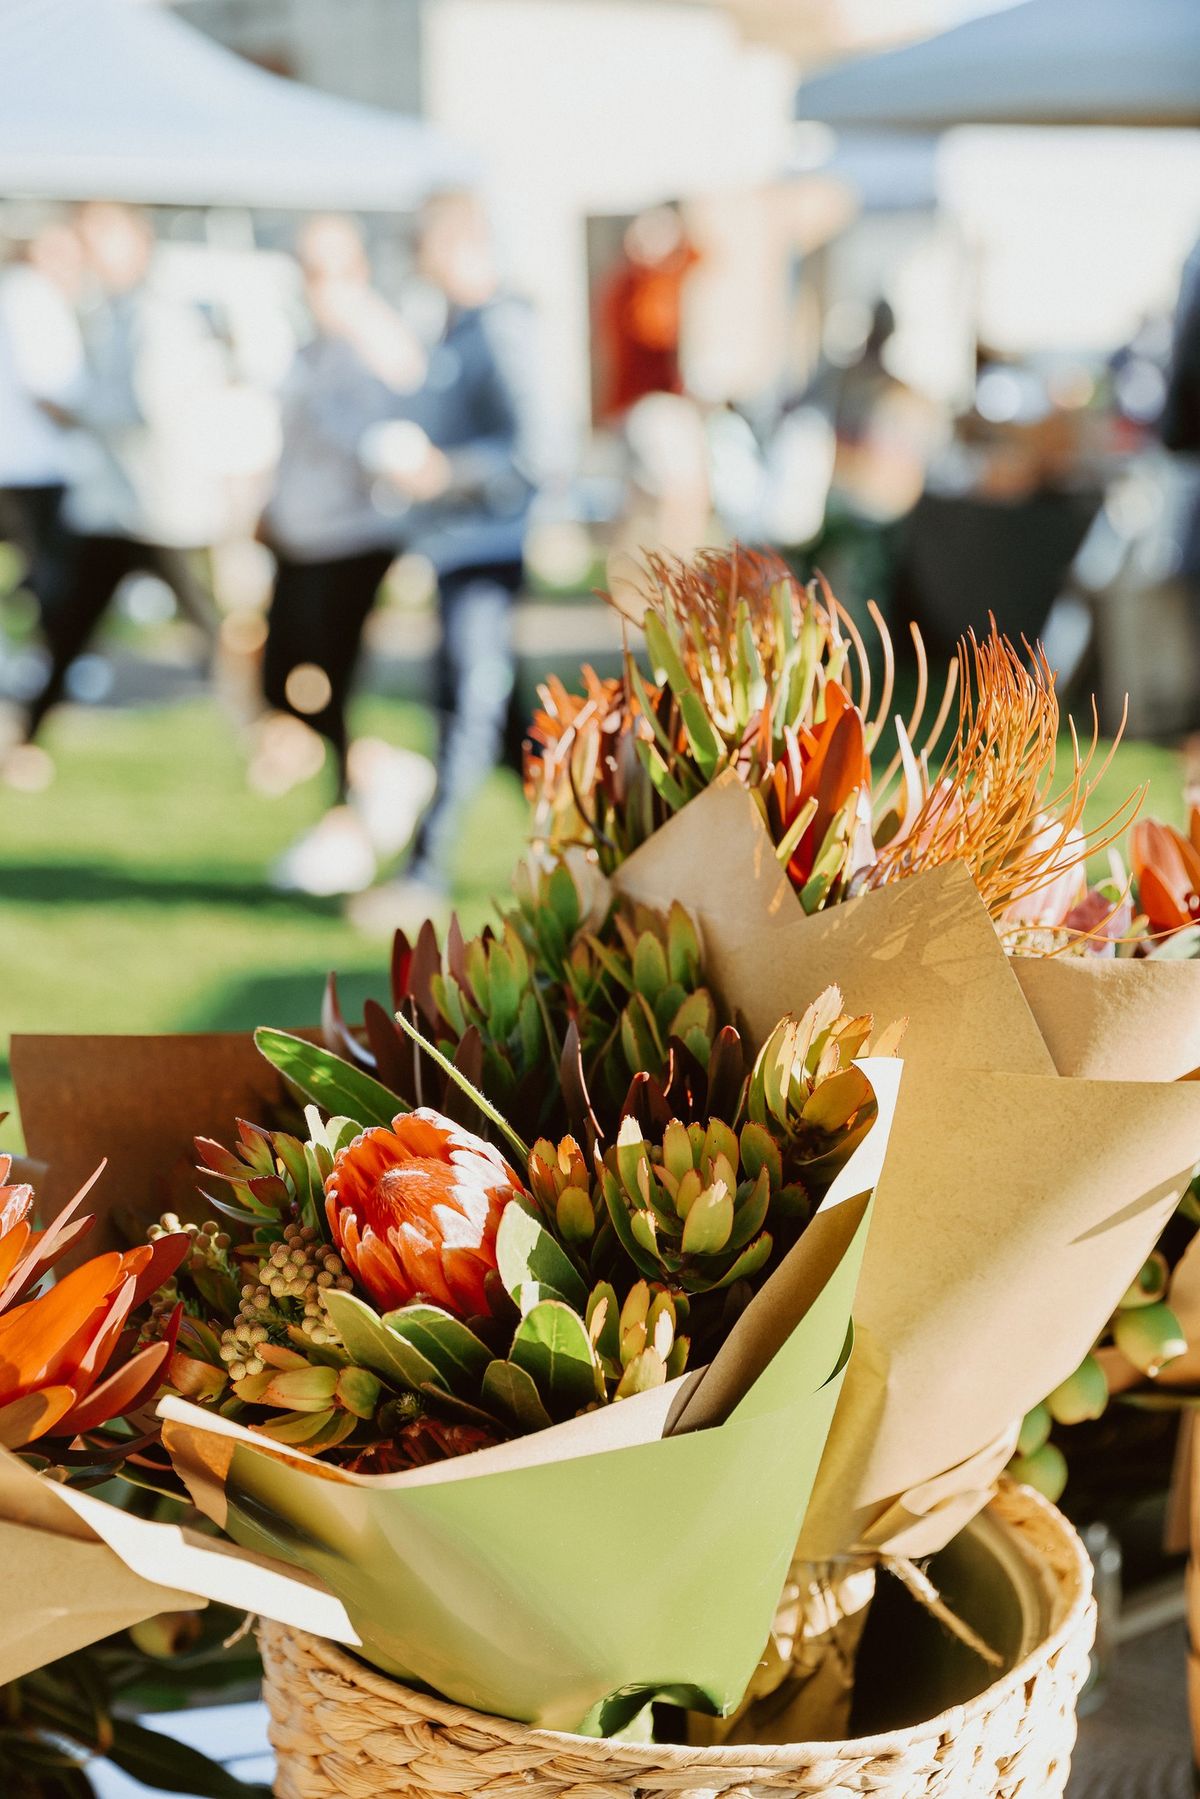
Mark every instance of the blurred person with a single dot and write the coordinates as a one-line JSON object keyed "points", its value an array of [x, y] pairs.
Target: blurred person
{"points": [[41, 361], [1179, 425], [883, 434], [639, 312], [884, 430], [142, 499], [332, 541], [463, 459], [640, 386]]}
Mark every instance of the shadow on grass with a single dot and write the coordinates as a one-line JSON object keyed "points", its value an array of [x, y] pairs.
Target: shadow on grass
{"points": [[95, 883], [289, 999]]}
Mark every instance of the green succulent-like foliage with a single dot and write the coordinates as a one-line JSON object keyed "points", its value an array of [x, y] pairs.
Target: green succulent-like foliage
{"points": [[268, 1175], [572, 980], [806, 1091], [568, 1349], [690, 1209], [733, 705]]}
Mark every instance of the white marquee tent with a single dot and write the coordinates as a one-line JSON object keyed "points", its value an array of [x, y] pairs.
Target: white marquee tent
{"points": [[116, 100], [1044, 62]]}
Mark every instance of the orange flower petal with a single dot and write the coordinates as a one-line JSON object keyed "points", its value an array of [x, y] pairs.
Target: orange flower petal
{"points": [[120, 1393], [23, 1420], [33, 1335]]}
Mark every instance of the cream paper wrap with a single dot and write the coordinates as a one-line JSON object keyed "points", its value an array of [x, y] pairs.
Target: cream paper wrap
{"points": [[74, 1569], [1044, 1133]]}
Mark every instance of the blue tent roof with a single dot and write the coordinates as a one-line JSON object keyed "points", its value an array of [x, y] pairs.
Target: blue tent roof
{"points": [[1045, 62], [116, 100]]}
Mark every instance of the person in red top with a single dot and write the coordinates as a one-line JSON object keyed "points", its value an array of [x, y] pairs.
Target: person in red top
{"points": [[638, 312]]}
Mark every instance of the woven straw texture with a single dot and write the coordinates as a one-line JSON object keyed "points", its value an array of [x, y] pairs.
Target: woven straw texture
{"points": [[341, 1731]]}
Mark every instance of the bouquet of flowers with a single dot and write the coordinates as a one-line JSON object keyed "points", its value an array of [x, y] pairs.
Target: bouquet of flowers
{"points": [[515, 1321]]}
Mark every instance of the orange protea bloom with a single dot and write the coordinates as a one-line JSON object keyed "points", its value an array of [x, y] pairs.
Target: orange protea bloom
{"points": [[414, 1211], [1166, 868], [56, 1346]]}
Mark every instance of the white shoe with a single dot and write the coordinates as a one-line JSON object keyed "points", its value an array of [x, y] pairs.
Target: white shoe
{"points": [[334, 857], [397, 906], [390, 789], [28, 769]]}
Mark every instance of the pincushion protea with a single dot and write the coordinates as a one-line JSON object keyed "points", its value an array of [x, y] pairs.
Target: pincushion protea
{"points": [[414, 1211], [68, 1355]]}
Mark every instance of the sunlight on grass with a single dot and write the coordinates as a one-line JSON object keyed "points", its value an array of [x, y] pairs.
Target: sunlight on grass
{"points": [[133, 893]]}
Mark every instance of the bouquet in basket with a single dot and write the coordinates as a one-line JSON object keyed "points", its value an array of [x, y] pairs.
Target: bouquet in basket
{"points": [[710, 1220]]}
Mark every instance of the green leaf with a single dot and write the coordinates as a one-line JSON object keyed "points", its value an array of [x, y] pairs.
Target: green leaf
{"points": [[505, 991], [607, 1334], [677, 1150], [328, 1081], [372, 1345], [528, 1256], [662, 780], [639, 1036], [291, 1153], [552, 1345], [575, 1215], [454, 1351], [159, 1761], [760, 1150], [618, 1212], [649, 966], [465, 1086], [508, 1390], [788, 844], [708, 1224], [563, 897], [683, 946], [748, 1263], [706, 745], [646, 1370]]}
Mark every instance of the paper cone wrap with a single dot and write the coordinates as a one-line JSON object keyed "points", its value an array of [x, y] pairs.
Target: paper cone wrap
{"points": [[568, 1577], [74, 1569], [1041, 1141]]}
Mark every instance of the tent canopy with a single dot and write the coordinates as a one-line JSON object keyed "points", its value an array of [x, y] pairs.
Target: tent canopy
{"points": [[1044, 62], [107, 99]]}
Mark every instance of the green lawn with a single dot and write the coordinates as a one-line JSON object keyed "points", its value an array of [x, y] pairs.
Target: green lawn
{"points": [[133, 893]]}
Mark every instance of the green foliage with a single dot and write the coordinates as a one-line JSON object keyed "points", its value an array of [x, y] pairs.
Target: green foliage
{"points": [[326, 1080]]}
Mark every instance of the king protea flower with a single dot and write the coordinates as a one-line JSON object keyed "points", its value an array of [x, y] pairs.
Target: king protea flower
{"points": [[414, 1211], [68, 1355]]}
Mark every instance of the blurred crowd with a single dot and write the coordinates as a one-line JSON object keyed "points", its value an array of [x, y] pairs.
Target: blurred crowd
{"points": [[391, 440], [402, 419]]}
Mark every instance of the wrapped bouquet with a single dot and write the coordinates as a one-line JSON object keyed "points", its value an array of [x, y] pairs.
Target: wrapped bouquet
{"points": [[516, 1323]]}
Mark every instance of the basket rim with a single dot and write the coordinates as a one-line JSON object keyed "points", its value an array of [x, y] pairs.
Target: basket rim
{"points": [[1018, 1505]]}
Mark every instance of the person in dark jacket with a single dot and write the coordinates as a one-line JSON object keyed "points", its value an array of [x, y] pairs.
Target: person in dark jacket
{"points": [[1179, 426], [462, 458]]}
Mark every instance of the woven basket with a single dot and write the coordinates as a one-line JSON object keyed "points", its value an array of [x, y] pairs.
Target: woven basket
{"points": [[342, 1731]]}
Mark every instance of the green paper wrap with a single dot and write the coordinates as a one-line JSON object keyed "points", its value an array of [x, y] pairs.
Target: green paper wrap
{"points": [[635, 1553]]}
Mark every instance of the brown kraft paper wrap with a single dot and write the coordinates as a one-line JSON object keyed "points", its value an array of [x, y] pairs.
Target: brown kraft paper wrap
{"points": [[1042, 1138]]}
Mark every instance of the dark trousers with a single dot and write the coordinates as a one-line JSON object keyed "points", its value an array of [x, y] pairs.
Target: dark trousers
{"points": [[475, 672], [318, 611], [94, 569], [31, 518]]}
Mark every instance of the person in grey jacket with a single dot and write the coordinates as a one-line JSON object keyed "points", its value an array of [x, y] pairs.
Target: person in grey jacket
{"points": [[463, 457], [331, 540]]}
